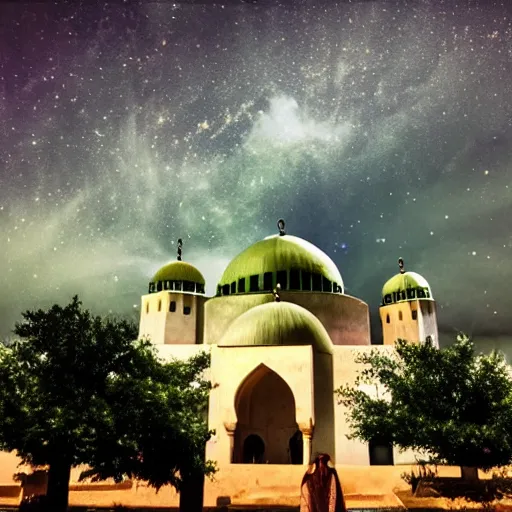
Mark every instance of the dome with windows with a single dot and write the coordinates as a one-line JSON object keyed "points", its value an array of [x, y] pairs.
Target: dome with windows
{"points": [[277, 324], [404, 287], [290, 261], [178, 276]]}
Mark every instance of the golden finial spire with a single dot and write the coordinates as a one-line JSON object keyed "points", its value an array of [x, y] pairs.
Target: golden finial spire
{"points": [[180, 245], [281, 225]]}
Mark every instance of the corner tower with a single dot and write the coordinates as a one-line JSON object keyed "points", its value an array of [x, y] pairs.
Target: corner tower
{"points": [[408, 309], [172, 312]]}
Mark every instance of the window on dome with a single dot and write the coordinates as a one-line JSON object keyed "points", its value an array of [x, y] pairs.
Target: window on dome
{"points": [[172, 306], [306, 280], [199, 288], [177, 285], [316, 282], [225, 289], [421, 293], [233, 287], [335, 287], [326, 284], [159, 286], [188, 286], [294, 279], [151, 287], [282, 279], [186, 310], [414, 313], [267, 281], [241, 285], [400, 316], [254, 283]]}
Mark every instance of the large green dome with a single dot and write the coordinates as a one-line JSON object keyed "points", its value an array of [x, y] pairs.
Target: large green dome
{"points": [[404, 287], [288, 260], [277, 324], [178, 275]]}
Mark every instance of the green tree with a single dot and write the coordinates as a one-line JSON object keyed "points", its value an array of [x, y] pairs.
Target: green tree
{"points": [[76, 389], [451, 403], [158, 430]]}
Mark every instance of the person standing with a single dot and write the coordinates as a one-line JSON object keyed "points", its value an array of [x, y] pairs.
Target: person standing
{"points": [[321, 488]]}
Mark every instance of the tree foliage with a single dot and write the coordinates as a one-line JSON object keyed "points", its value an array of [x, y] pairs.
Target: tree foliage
{"points": [[76, 389], [451, 403]]}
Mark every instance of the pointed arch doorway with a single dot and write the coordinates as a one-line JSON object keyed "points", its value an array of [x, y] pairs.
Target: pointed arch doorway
{"points": [[265, 408]]}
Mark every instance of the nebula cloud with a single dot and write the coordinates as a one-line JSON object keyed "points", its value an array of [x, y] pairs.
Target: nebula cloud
{"points": [[377, 130]]}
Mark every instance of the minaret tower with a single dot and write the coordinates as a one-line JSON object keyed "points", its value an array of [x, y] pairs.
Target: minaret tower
{"points": [[408, 310], [173, 310]]}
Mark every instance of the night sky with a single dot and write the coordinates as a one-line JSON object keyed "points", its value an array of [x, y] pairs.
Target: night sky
{"points": [[377, 130]]}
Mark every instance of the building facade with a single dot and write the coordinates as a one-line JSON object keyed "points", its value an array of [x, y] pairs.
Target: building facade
{"points": [[283, 335]]}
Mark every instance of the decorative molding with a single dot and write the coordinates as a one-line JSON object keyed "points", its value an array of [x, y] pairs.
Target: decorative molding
{"points": [[230, 428], [307, 429]]}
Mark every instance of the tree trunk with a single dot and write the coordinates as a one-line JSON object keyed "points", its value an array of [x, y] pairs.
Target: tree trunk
{"points": [[192, 494], [469, 473], [57, 492]]}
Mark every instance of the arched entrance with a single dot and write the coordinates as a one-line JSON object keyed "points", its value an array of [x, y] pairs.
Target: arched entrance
{"points": [[254, 450], [265, 409]]}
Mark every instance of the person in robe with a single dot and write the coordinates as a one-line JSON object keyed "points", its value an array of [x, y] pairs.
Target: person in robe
{"points": [[321, 488]]}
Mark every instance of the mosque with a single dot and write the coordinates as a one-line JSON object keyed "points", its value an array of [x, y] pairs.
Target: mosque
{"points": [[283, 335]]}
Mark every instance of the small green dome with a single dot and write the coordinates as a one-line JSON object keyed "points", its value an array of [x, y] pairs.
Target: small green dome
{"points": [[277, 324], [406, 287], [179, 271], [283, 253], [178, 275]]}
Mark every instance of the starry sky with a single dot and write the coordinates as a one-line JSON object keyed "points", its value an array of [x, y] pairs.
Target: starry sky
{"points": [[376, 129]]}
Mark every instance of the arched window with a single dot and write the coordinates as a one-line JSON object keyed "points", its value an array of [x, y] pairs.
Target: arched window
{"points": [[316, 282], [254, 283], [267, 281], [294, 279], [400, 315], [306, 281], [147, 307], [296, 447], [172, 306], [159, 305], [282, 279], [387, 319], [414, 313], [254, 449], [326, 284]]}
